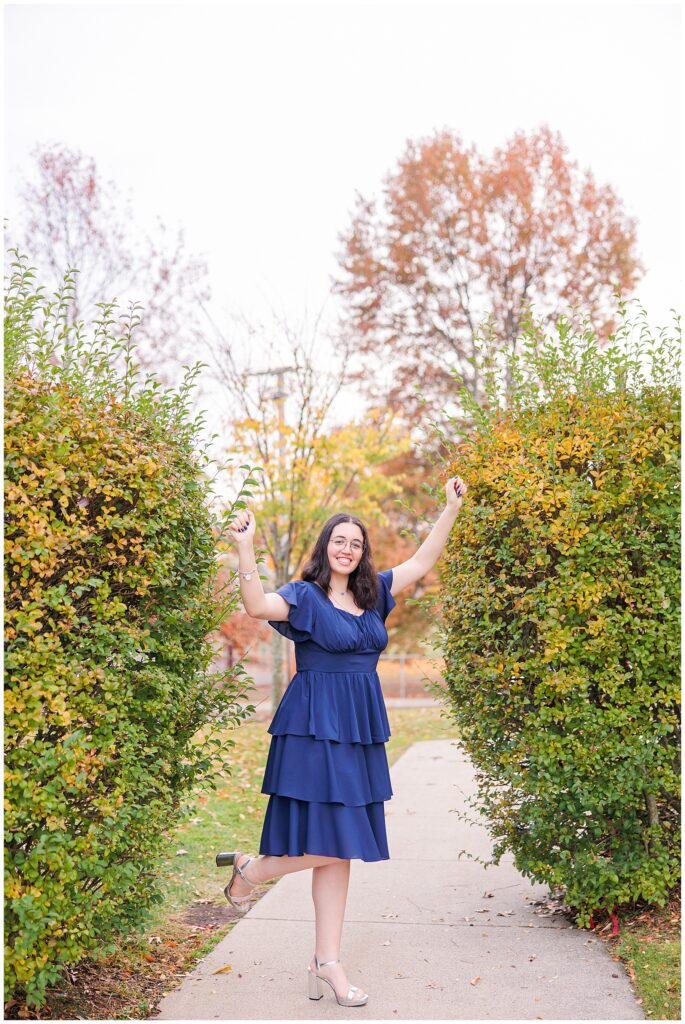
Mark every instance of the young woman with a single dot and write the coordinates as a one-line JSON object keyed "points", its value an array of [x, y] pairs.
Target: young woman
{"points": [[327, 771]]}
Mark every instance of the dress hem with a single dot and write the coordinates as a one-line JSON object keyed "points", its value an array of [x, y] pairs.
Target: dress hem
{"points": [[319, 853]]}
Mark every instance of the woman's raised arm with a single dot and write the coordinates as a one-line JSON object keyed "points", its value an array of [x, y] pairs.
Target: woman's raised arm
{"points": [[256, 603], [409, 572]]}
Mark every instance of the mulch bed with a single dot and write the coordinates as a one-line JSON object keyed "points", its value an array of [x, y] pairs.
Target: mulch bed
{"points": [[130, 986]]}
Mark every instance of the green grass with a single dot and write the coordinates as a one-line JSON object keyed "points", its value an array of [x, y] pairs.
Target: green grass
{"points": [[655, 961], [229, 818]]}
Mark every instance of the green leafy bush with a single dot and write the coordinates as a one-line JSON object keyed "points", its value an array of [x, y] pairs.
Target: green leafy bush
{"points": [[561, 611], [111, 705]]}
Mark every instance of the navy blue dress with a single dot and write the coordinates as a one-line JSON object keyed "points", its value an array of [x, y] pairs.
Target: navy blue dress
{"points": [[327, 770]]}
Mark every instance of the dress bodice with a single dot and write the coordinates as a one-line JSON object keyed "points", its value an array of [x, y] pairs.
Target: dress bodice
{"points": [[329, 639]]}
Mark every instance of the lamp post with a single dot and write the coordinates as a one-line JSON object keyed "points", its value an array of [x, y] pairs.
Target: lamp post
{"points": [[278, 648]]}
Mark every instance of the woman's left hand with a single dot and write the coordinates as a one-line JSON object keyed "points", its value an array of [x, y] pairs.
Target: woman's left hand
{"points": [[455, 489]]}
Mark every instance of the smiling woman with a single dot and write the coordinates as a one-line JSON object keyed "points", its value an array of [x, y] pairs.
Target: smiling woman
{"points": [[341, 565], [327, 771]]}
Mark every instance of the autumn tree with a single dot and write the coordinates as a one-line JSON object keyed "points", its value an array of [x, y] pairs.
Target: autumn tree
{"points": [[459, 239], [309, 465], [70, 217]]}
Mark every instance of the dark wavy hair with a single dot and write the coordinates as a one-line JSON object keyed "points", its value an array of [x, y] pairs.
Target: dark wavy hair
{"points": [[363, 582]]}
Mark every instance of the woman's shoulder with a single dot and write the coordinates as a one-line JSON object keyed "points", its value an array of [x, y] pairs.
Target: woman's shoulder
{"points": [[296, 588], [302, 613], [386, 602], [311, 586], [303, 592]]}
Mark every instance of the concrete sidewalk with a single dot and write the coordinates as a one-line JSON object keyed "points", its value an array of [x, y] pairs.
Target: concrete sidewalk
{"points": [[421, 935]]}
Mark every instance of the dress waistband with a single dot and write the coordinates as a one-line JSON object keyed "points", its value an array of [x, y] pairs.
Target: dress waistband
{"points": [[327, 661]]}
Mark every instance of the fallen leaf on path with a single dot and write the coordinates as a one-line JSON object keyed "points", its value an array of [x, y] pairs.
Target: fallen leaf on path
{"points": [[223, 970], [474, 981]]}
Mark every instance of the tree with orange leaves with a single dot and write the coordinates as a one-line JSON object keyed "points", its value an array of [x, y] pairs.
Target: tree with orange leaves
{"points": [[238, 633], [461, 239]]}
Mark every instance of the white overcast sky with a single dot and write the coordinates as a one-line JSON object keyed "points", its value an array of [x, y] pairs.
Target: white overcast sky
{"points": [[253, 125]]}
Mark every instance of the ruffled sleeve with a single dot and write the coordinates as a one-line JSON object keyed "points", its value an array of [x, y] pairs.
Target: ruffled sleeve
{"points": [[386, 602], [300, 623]]}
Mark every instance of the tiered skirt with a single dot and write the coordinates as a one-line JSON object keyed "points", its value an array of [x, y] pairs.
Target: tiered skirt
{"points": [[327, 770]]}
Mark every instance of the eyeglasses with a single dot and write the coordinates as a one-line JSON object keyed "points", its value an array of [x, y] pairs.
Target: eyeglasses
{"points": [[339, 543]]}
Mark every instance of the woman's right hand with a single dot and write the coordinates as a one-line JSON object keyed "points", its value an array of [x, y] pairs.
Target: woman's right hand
{"points": [[243, 526]]}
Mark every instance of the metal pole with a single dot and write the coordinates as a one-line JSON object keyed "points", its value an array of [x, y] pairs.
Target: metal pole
{"points": [[281, 683], [281, 654], [280, 397]]}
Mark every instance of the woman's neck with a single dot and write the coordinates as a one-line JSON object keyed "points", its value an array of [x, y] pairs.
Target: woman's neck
{"points": [[338, 582]]}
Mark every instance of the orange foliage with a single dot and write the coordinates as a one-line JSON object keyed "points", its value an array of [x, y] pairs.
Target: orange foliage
{"points": [[462, 237]]}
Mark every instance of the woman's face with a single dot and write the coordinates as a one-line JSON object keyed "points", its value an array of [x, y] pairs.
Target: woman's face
{"points": [[345, 548]]}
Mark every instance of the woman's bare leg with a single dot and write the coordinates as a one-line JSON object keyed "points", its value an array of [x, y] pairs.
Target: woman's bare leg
{"points": [[329, 892], [265, 867], [330, 882]]}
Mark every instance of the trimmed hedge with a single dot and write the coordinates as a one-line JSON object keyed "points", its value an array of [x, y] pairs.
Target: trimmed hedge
{"points": [[561, 612], [111, 577]]}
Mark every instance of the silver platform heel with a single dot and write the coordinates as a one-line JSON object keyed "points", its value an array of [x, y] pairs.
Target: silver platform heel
{"points": [[314, 980], [237, 901]]}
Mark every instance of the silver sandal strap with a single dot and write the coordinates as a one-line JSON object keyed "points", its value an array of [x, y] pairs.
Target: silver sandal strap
{"points": [[240, 869]]}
